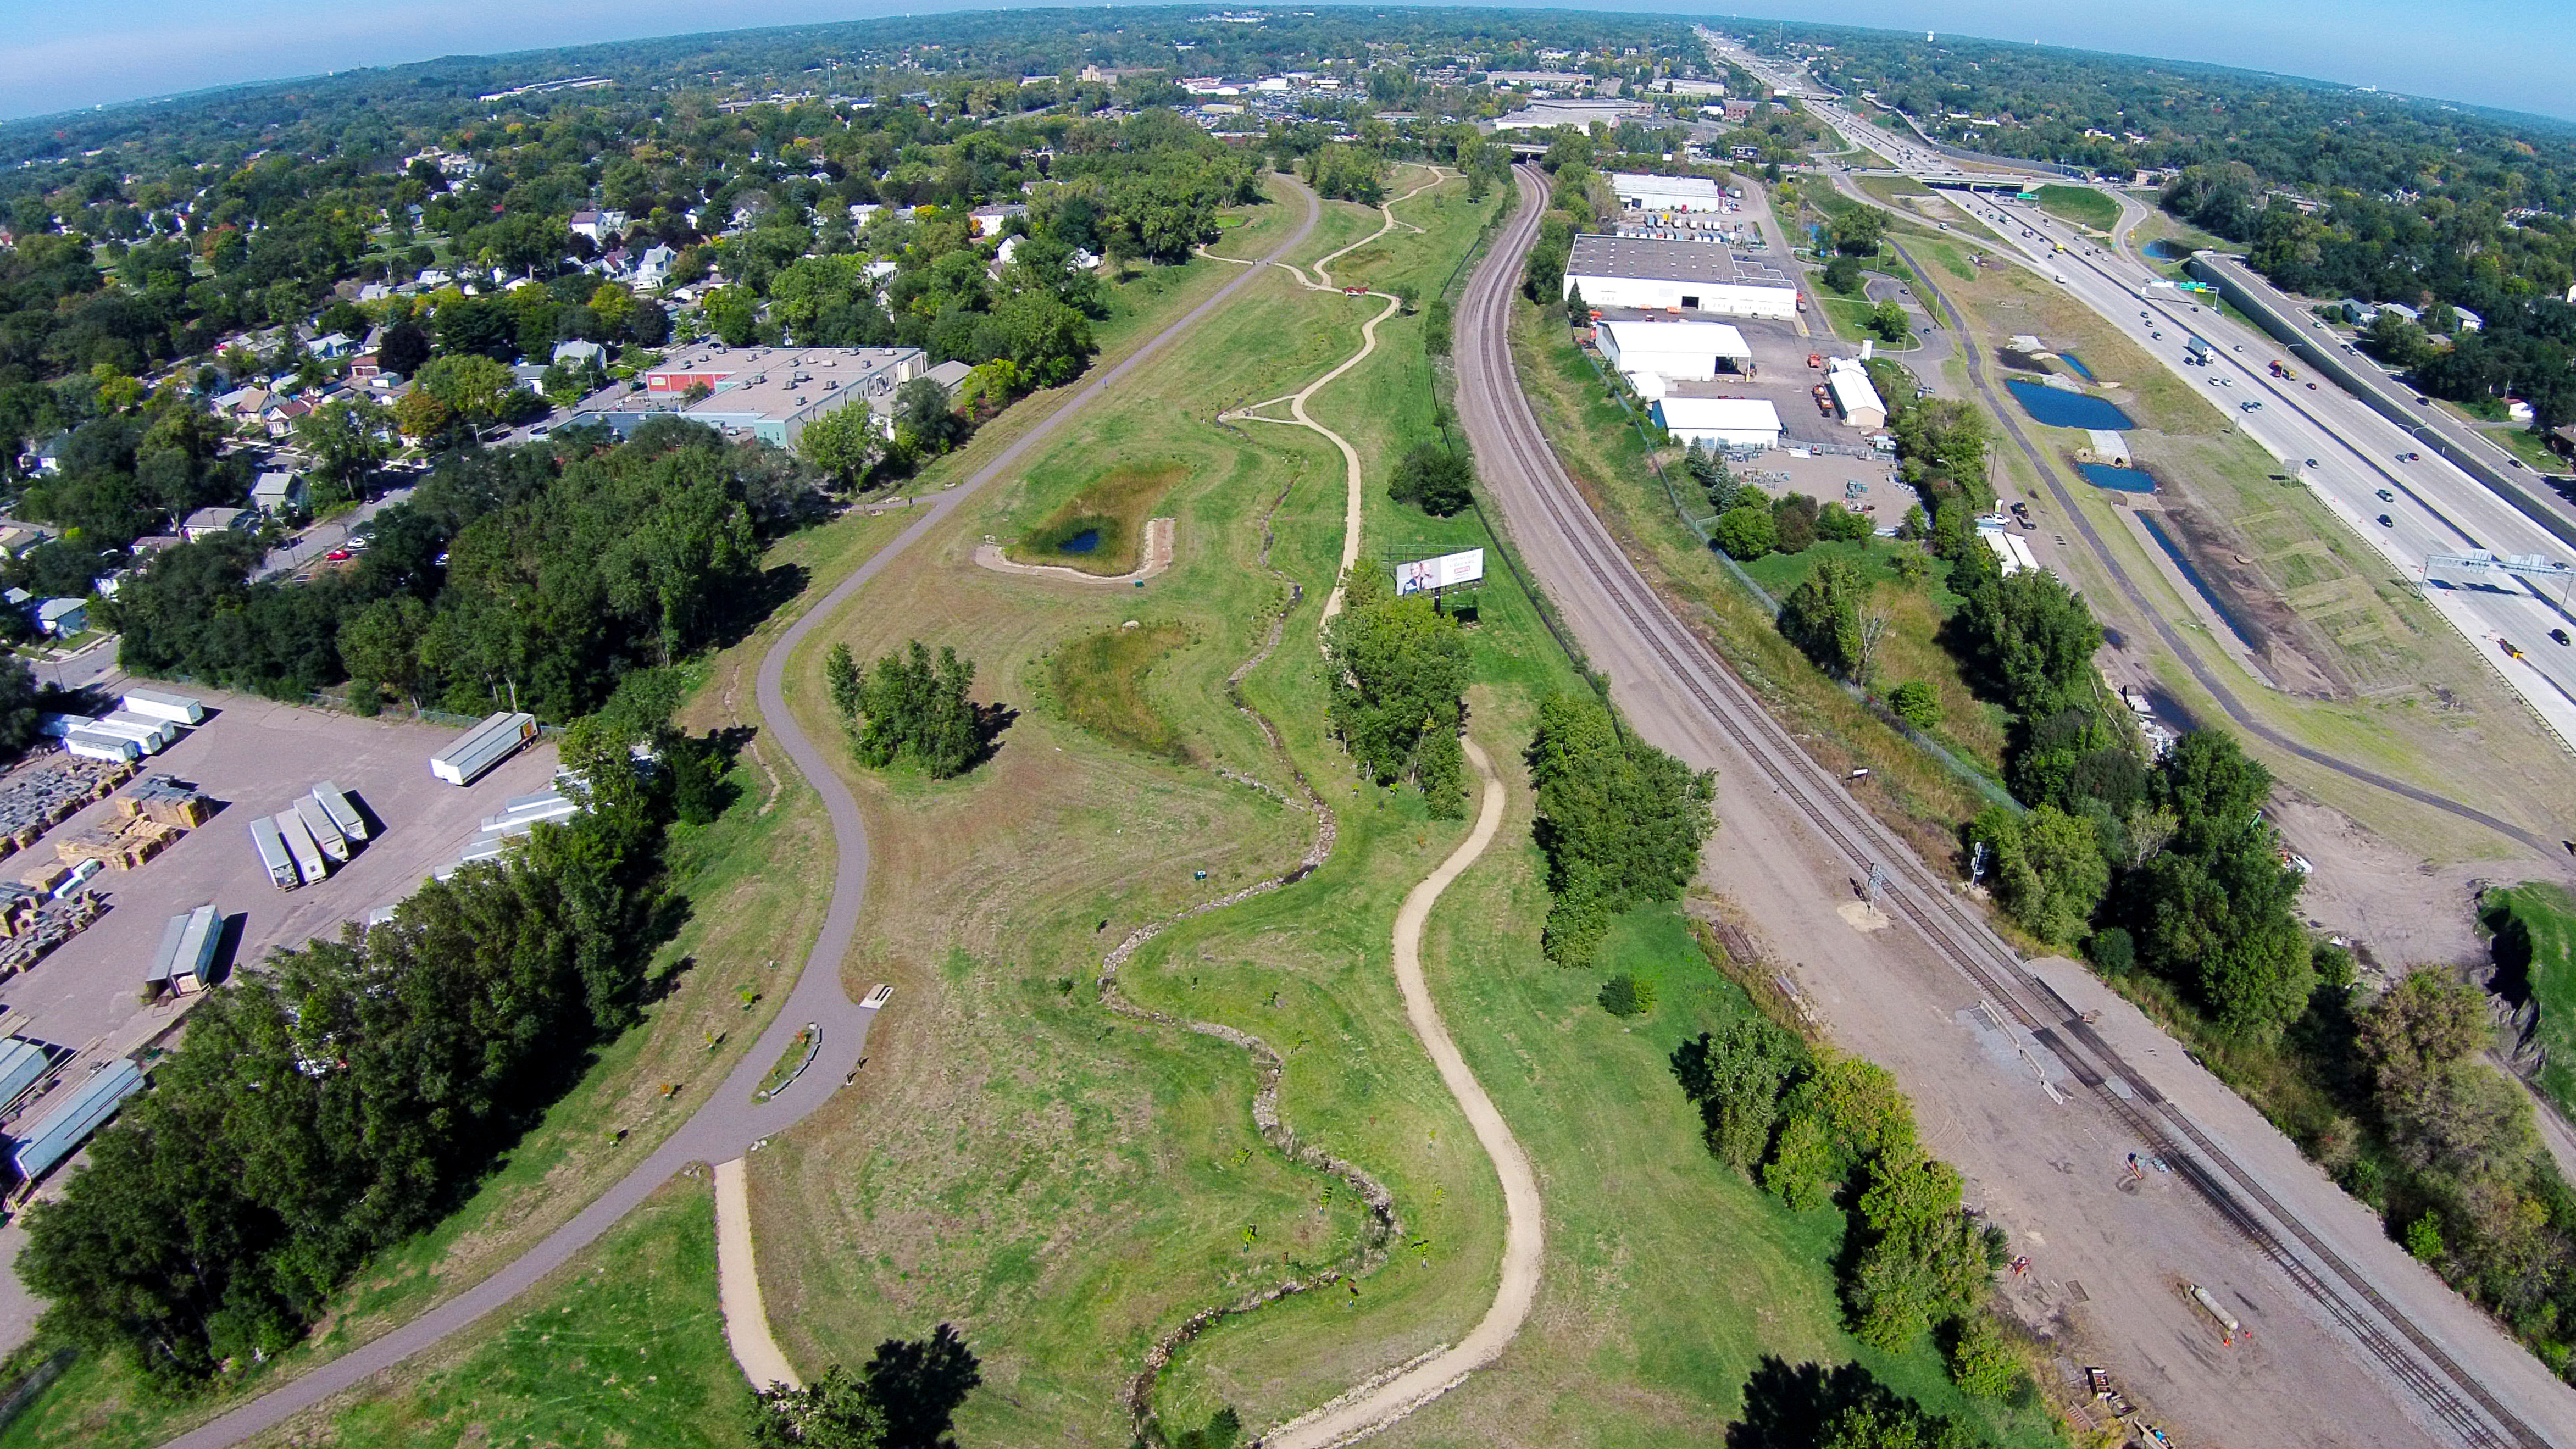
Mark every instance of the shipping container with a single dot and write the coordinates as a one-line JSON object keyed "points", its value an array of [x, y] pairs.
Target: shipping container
{"points": [[167, 729], [342, 810], [176, 708], [272, 854], [152, 736], [58, 725], [299, 843], [480, 748], [194, 968], [523, 814], [82, 1111], [91, 745], [325, 831]]}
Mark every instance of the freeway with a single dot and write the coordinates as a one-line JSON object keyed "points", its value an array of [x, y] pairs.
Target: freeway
{"points": [[2409, 505], [2392, 1354]]}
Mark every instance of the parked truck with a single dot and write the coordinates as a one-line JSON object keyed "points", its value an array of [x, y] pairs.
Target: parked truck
{"points": [[299, 843], [476, 751], [273, 855], [325, 831], [342, 810]]}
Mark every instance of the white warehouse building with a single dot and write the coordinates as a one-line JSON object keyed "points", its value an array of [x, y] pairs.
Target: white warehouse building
{"points": [[1654, 355], [1720, 422], [1668, 193], [1853, 395], [1667, 276]]}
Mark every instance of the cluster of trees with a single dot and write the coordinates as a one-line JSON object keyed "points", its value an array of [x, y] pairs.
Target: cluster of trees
{"points": [[908, 707], [1400, 667], [545, 572], [904, 1398], [1818, 1128], [1620, 822], [1751, 524], [1436, 479], [2445, 1146], [336, 1098], [1347, 173]]}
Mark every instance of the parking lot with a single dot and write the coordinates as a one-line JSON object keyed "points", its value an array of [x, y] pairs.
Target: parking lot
{"points": [[252, 757]]}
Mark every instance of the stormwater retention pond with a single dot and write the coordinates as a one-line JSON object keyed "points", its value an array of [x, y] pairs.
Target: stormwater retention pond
{"points": [[2236, 623], [2118, 480], [1083, 542], [2073, 361], [2061, 409]]}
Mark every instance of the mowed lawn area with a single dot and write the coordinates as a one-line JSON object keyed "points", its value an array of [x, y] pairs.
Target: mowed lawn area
{"points": [[2081, 205]]}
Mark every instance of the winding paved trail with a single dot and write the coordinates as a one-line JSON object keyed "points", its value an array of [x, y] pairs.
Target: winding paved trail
{"points": [[1354, 498], [731, 1123], [1372, 1407]]}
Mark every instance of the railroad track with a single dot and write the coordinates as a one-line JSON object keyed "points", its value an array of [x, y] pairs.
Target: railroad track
{"points": [[1491, 396]]}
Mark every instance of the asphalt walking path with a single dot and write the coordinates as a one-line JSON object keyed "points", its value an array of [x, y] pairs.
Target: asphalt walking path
{"points": [[1372, 1408], [731, 1123]]}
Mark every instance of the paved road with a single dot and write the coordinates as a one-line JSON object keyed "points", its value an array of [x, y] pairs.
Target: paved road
{"points": [[309, 546], [2391, 1345], [729, 1124]]}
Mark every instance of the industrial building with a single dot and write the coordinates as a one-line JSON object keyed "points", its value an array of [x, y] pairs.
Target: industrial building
{"points": [[1853, 396], [769, 393], [1667, 193], [1674, 276], [1741, 423], [1654, 355]]}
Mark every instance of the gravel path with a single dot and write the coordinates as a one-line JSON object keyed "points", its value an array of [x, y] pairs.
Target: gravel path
{"points": [[730, 1123], [1373, 1407], [746, 1315]]}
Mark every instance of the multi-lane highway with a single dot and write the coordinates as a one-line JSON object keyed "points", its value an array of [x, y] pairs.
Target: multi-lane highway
{"points": [[2408, 503]]}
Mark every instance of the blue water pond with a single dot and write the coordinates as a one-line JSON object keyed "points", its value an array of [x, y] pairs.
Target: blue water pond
{"points": [[2077, 363], [1083, 542], [2061, 409], [2118, 480]]}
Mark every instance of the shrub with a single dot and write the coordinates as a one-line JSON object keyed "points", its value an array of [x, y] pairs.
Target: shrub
{"points": [[1746, 532], [1916, 704], [1628, 994]]}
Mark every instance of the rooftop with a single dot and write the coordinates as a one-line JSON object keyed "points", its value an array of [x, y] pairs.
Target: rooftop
{"points": [[1670, 261]]}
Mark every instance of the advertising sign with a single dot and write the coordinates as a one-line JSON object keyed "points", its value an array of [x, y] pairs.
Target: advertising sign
{"points": [[1447, 571]]}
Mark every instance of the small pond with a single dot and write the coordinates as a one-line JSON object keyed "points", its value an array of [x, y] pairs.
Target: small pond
{"points": [[1083, 542], [2077, 363], [2118, 480], [2191, 572], [2061, 409], [2167, 251]]}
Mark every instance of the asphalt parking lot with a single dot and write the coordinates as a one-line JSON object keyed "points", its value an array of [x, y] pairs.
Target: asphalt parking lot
{"points": [[253, 757]]}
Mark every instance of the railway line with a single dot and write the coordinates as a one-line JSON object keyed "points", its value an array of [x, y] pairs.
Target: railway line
{"points": [[1520, 467]]}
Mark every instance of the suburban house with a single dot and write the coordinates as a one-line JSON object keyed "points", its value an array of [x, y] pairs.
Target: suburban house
{"points": [[366, 367], [205, 523], [277, 492], [653, 268], [580, 354], [989, 220], [598, 225], [62, 618]]}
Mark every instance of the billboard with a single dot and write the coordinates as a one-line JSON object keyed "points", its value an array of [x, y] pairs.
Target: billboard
{"points": [[1447, 571]]}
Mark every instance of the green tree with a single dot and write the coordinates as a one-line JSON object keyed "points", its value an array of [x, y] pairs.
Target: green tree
{"points": [[1736, 1076], [1434, 478], [1627, 994], [1747, 532], [1401, 667], [2046, 868], [843, 444], [349, 437], [468, 386], [1858, 232], [1887, 321], [1843, 274], [911, 707], [835, 1411], [2035, 640], [1916, 704], [1621, 823], [1981, 1363], [1822, 616]]}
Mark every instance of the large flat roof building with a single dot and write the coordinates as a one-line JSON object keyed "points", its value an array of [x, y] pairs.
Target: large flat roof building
{"points": [[770, 393], [1653, 355], [1670, 276], [1720, 422], [1668, 193]]}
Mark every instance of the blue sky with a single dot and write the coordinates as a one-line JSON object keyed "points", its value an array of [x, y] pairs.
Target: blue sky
{"points": [[2515, 54]]}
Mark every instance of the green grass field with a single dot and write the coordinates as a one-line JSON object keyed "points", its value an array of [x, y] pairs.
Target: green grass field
{"points": [[2543, 917], [1109, 514], [2081, 205]]}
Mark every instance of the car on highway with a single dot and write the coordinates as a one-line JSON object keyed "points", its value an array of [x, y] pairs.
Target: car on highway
{"points": [[2507, 646], [2250, 405], [2420, 401], [2312, 462], [2516, 462], [2387, 522], [2312, 387], [2558, 636], [2387, 497]]}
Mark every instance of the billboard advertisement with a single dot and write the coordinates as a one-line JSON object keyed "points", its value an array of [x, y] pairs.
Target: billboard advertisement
{"points": [[1447, 571]]}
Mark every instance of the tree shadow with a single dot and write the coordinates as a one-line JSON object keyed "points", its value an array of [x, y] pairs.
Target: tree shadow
{"points": [[765, 595], [991, 720], [918, 1383], [1793, 1406]]}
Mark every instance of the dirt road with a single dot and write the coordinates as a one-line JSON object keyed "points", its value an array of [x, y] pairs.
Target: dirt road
{"points": [[2355, 1343], [731, 1121], [746, 1315], [1373, 1407]]}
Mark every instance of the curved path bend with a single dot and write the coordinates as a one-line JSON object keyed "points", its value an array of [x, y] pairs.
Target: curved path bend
{"points": [[1372, 1407], [730, 1123], [1355, 498]]}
